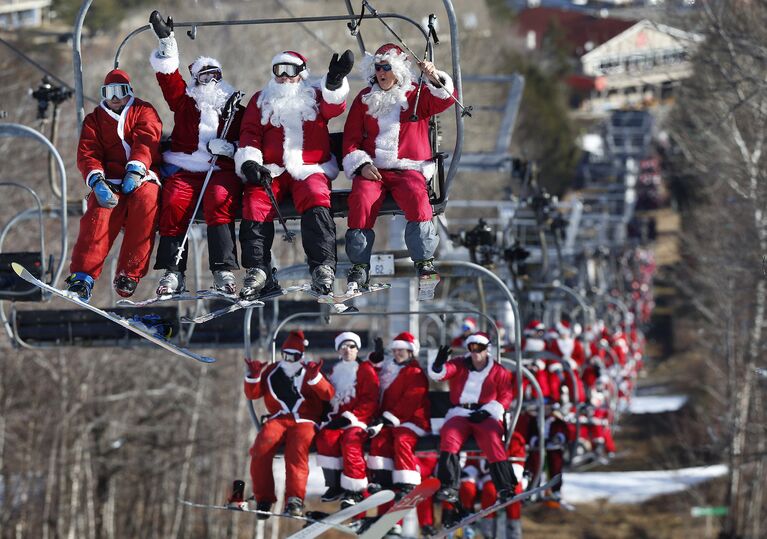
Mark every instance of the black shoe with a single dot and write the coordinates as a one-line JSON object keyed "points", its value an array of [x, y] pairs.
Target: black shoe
{"points": [[294, 507], [450, 518], [359, 274], [374, 488], [402, 490], [505, 494], [332, 494], [446, 494], [263, 506], [428, 530], [351, 498], [125, 286]]}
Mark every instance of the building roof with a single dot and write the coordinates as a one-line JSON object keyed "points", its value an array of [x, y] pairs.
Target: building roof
{"points": [[581, 31]]}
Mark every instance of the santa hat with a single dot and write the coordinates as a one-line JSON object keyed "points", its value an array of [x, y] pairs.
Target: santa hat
{"points": [[388, 54], [533, 327], [348, 336], [294, 58], [406, 341], [204, 64], [116, 76], [295, 343], [469, 324], [563, 328], [479, 337]]}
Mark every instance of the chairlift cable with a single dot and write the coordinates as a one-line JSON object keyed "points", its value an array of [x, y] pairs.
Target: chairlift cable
{"points": [[305, 27]]}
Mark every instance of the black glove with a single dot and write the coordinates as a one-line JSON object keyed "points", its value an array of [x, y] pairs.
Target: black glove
{"points": [[338, 69], [338, 423], [478, 416], [377, 355], [442, 355], [256, 174], [162, 29]]}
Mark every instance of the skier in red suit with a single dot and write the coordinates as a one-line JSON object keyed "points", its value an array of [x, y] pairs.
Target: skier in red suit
{"points": [[285, 143], [340, 440], [404, 417], [294, 394], [118, 156], [198, 122], [384, 150], [480, 390]]}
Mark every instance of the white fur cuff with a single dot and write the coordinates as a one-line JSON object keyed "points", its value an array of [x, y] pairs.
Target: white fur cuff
{"points": [[316, 380], [410, 477], [353, 160], [442, 93], [377, 462], [355, 485], [331, 463], [391, 417], [334, 97], [495, 409], [246, 153], [355, 422], [91, 173], [163, 65]]}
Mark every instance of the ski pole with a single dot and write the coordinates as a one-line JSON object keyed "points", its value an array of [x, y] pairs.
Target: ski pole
{"points": [[432, 33], [465, 111], [230, 110], [288, 234]]}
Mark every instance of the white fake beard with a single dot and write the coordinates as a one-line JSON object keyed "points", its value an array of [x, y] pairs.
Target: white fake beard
{"points": [[389, 372], [381, 102], [344, 380], [291, 367], [287, 102], [211, 96]]}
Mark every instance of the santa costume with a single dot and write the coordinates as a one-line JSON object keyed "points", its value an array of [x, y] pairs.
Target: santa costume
{"points": [[110, 143], [340, 440], [198, 122], [294, 394], [379, 131]]}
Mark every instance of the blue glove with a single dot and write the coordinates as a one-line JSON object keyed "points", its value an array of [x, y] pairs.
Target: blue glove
{"points": [[104, 194], [134, 176]]}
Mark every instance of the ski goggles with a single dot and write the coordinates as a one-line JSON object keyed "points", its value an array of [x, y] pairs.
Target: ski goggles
{"points": [[349, 345], [119, 91], [477, 347], [287, 70], [206, 76], [383, 67], [291, 356]]}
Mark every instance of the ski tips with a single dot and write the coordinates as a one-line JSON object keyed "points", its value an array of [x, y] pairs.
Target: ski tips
{"points": [[18, 268]]}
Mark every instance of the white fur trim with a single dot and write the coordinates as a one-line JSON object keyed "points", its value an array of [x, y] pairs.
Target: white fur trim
{"points": [[353, 418], [439, 375], [387, 146], [441, 93], [519, 471], [540, 364], [495, 409], [415, 428], [473, 386], [250, 380], [139, 163], [354, 160], [391, 417], [293, 154], [534, 345], [337, 96], [566, 346], [475, 338], [331, 463], [201, 62], [246, 153], [348, 336], [91, 173], [376, 462], [355, 485], [573, 364], [455, 411], [193, 162], [410, 477], [316, 380], [554, 367], [402, 345], [163, 65], [285, 57]]}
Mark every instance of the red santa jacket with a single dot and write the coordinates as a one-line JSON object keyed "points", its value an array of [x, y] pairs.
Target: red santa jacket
{"points": [[109, 141], [286, 390], [405, 396], [192, 130], [491, 388], [355, 399], [392, 141], [301, 148]]}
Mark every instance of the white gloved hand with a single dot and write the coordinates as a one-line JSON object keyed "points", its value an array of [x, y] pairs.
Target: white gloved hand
{"points": [[219, 146]]}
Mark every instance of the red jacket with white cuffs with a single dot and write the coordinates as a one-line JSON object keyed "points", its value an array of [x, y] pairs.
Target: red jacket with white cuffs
{"points": [[405, 396], [286, 390], [362, 405]]}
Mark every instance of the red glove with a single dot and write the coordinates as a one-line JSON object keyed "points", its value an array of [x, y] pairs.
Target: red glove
{"points": [[312, 370], [254, 367]]}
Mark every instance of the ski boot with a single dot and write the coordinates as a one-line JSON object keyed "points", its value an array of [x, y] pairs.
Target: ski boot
{"points": [[224, 281], [81, 284], [125, 286], [333, 482], [553, 500], [266, 507], [396, 531], [350, 498], [294, 506], [322, 279], [332, 494], [402, 490], [446, 494], [272, 288], [428, 278], [427, 530], [254, 282], [358, 277], [236, 500], [173, 282]]}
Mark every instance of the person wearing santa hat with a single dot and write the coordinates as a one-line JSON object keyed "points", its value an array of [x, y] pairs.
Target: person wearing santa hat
{"points": [[285, 144], [118, 155], [340, 440], [468, 326], [404, 417], [385, 150], [295, 394], [481, 390], [198, 121]]}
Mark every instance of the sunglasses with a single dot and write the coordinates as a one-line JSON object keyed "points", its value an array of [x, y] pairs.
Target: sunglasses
{"points": [[291, 356], [349, 345], [384, 67], [120, 91], [287, 70], [477, 347]]}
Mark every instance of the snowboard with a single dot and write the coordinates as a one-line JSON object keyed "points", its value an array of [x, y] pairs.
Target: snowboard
{"points": [[240, 304], [132, 325], [381, 526], [426, 286], [335, 519], [474, 517]]}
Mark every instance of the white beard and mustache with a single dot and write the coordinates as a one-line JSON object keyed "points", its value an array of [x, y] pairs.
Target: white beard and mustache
{"points": [[389, 372], [287, 103], [211, 96], [344, 380], [382, 102]]}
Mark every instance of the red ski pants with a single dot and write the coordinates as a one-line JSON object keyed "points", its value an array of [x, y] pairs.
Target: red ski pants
{"points": [[408, 187], [425, 509], [398, 444], [488, 435], [346, 444], [309, 193], [297, 438], [180, 192], [490, 494], [136, 213]]}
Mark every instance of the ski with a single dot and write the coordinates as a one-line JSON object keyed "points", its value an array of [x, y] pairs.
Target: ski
{"points": [[496, 507], [136, 326], [337, 301], [240, 304], [184, 296], [426, 286], [372, 501], [242, 507], [381, 526]]}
